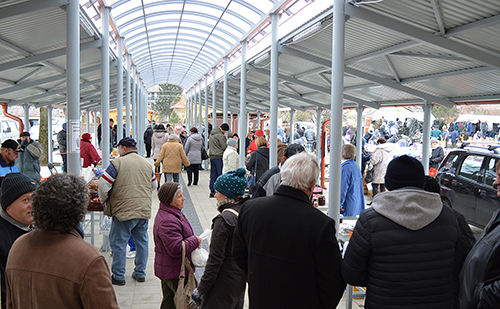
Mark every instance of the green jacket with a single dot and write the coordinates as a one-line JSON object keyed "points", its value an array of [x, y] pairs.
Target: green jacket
{"points": [[28, 162], [130, 197], [216, 143]]}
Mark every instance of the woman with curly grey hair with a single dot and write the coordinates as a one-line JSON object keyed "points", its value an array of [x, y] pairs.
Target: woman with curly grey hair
{"points": [[52, 266]]}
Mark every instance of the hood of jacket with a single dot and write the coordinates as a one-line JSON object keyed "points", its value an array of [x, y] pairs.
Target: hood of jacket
{"points": [[411, 208], [387, 147], [159, 134], [195, 137], [215, 131]]}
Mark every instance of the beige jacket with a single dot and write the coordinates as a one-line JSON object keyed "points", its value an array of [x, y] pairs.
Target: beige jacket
{"points": [[48, 269], [172, 156]]}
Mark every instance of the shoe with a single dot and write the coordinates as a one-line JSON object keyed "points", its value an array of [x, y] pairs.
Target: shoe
{"points": [[189, 183], [116, 281], [134, 276], [212, 194], [195, 184], [131, 255]]}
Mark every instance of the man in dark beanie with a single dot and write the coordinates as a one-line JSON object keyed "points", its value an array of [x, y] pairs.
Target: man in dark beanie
{"points": [[406, 242], [15, 216]]}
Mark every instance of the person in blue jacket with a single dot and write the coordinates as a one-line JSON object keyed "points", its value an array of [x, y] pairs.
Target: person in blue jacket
{"points": [[8, 155], [352, 199]]}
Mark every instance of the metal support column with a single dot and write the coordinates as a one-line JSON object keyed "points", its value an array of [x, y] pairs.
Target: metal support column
{"points": [[243, 97], [26, 117], [127, 96], [119, 90], [427, 107], [359, 134], [196, 101], [258, 121], [87, 122], [95, 128], [105, 132], [318, 134], [199, 105], [50, 144], [73, 85], [205, 132], [292, 125], [226, 88], [133, 102], [214, 98], [273, 111], [336, 107]]}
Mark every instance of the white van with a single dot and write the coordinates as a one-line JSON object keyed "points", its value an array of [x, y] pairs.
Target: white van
{"points": [[9, 129]]}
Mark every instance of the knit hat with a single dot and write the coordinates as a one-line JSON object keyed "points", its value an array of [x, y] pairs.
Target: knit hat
{"points": [[127, 142], [293, 149], [231, 142], [259, 133], [13, 186], [404, 171], [167, 192], [86, 137], [232, 184], [224, 127]]}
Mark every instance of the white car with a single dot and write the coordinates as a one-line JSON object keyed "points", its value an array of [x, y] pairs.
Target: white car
{"points": [[35, 134]]}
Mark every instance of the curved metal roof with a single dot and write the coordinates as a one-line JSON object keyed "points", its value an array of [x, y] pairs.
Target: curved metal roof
{"points": [[178, 41]]}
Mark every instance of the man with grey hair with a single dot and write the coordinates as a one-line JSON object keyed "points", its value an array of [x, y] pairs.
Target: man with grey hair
{"points": [[282, 242]]}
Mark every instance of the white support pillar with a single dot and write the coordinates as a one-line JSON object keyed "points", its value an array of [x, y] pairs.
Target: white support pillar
{"points": [[196, 101], [243, 97], [105, 132], [292, 125], [206, 109], [26, 117], [214, 98], [200, 104], [426, 140], [134, 101], [359, 134], [87, 122], [119, 90], [336, 107], [95, 128], [318, 134], [273, 112], [258, 121], [73, 85], [127, 96], [226, 89], [50, 144]]}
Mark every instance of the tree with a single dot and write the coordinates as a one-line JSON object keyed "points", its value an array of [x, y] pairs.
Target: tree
{"points": [[174, 117], [42, 135], [445, 113], [168, 96]]}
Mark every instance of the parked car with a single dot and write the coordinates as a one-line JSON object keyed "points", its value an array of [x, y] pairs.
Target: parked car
{"points": [[35, 134], [9, 129], [466, 178]]}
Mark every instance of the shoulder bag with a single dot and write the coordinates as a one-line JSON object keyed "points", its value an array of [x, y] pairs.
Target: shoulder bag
{"points": [[252, 178], [204, 154], [182, 298], [369, 174]]}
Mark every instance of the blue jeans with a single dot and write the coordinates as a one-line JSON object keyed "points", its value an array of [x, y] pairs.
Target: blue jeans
{"points": [[131, 243], [118, 238], [172, 177], [215, 171]]}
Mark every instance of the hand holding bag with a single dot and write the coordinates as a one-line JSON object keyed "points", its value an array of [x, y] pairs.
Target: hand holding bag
{"points": [[252, 178], [182, 298], [369, 174]]}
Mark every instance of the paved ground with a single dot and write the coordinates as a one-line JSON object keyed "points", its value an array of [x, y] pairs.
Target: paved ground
{"points": [[199, 209]]}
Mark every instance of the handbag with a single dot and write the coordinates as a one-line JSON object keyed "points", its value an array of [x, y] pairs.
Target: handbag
{"points": [[252, 178], [182, 298], [369, 174], [204, 154]]}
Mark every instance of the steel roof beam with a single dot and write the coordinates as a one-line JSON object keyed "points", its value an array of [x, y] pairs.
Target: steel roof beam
{"points": [[440, 57], [447, 74], [409, 31], [439, 16], [45, 56], [369, 77], [30, 6], [382, 52], [392, 68], [483, 23]]}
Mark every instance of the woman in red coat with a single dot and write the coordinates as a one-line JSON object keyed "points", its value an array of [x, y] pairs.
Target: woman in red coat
{"points": [[87, 151]]}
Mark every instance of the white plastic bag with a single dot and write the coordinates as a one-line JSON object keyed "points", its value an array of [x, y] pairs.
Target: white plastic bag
{"points": [[105, 225], [199, 256], [88, 175]]}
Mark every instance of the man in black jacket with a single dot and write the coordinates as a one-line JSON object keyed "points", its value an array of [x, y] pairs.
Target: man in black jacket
{"points": [[287, 247], [407, 249], [15, 216], [147, 140]]}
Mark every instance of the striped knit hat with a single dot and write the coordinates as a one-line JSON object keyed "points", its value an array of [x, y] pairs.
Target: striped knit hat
{"points": [[232, 184], [167, 192]]}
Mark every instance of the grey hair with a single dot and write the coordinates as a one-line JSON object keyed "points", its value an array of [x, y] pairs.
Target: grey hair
{"points": [[179, 189], [299, 171], [348, 152]]}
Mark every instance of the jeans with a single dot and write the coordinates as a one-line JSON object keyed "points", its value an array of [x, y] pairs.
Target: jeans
{"points": [[65, 162], [172, 177], [215, 172], [168, 288], [118, 238], [131, 243], [148, 150], [377, 186], [193, 169]]}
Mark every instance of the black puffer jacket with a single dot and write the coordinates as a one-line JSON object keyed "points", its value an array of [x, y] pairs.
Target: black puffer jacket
{"points": [[223, 282], [262, 161], [407, 250]]}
